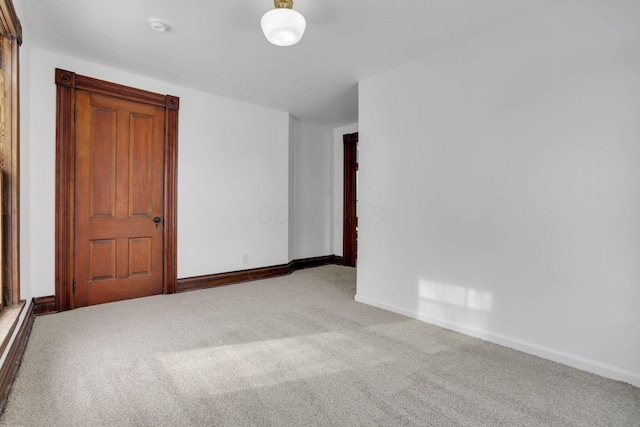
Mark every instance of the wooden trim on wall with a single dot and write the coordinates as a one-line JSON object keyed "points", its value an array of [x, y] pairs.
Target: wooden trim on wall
{"points": [[65, 183], [349, 211], [8, 320], [9, 23], [172, 104], [44, 305], [222, 279], [67, 82], [299, 264], [15, 353]]}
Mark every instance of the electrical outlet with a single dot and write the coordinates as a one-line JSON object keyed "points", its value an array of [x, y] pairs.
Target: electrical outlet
{"points": [[245, 258]]}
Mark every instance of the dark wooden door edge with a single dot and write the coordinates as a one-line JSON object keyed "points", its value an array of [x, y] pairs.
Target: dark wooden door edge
{"points": [[349, 220], [15, 353], [66, 84]]}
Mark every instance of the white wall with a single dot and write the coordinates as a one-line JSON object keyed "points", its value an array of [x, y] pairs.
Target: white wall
{"points": [[311, 183], [505, 172], [232, 169], [338, 185]]}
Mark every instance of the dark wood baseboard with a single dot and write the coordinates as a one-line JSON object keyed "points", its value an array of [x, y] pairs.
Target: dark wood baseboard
{"points": [[299, 264], [222, 279], [44, 305], [14, 357]]}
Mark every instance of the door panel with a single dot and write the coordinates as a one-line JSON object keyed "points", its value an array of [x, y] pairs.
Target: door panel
{"points": [[102, 260], [118, 193], [102, 152], [140, 166]]}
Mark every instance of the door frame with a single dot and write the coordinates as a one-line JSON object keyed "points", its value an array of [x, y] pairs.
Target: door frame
{"points": [[66, 84], [349, 206]]}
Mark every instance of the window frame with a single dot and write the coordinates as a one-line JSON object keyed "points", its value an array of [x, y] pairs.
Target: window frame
{"points": [[10, 41]]}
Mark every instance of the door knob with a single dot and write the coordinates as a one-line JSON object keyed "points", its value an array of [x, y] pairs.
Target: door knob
{"points": [[157, 220]]}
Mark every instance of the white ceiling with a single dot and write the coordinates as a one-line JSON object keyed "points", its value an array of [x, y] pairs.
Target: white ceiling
{"points": [[218, 47]]}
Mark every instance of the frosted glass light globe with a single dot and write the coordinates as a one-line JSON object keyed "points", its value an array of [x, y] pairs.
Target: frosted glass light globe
{"points": [[283, 27]]}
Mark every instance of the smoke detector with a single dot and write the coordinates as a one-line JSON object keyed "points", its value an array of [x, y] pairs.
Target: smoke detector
{"points": [[158, 25]]}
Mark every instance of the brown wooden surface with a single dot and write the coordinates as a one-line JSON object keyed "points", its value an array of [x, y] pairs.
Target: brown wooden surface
{"points": [[114, 257], [119, 191], [65, 183], [170, 187], [12, 362], [44, 305], [123, 92], [299, 264], [9, 23], [8, 320], [350, 220], [10, 162], [220, 279]]}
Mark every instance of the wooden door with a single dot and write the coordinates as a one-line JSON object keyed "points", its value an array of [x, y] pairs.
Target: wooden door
{"points": [[119, 176]]}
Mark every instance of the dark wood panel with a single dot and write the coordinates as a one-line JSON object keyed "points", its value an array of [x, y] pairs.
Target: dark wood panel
{"points": [[140, 165], [102, 260], [140, 256], [65, 182], [220, 279], [44, 305], [102, 154], [299, 264], [14, 357], [76, 81], [170, 220], [350, 220]]}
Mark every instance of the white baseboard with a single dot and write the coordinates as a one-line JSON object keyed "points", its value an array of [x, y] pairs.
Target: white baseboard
{"points": [[516, 344]]}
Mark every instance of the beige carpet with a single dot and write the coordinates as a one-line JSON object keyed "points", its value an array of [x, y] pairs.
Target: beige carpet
{"points": [[290, 351]]}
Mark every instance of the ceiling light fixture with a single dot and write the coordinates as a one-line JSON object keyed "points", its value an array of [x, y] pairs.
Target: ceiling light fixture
{"points": [[283, 26], [158, 25]]}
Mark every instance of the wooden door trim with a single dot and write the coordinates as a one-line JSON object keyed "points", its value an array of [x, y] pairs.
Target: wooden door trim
{"points": [[349, 242], [67, 82]]}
